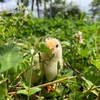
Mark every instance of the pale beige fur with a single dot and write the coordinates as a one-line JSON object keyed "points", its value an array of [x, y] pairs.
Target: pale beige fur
{"points": [[52, 58], [49, 64]]}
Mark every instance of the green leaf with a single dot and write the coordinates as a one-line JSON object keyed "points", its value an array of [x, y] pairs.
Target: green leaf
{"points": [[88, 82], [76, 96], [95, 92], [84, 52], [82, 15], [34, 90], [9, 56], [38, 72], [22, 92], [3, 89], [31, 91], [96, 63], [44, 48], [24, 85]]}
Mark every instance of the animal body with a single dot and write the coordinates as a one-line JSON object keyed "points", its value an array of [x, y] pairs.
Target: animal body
{"points": [[49, 61]]}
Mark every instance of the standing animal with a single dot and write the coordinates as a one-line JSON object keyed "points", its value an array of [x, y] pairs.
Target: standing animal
{"points": [[49, 61]]}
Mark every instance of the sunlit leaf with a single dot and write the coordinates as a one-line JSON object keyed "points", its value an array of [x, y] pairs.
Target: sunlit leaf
{"points": [[22, 92], [3, 89], [88, 82], [24, 85], [95, 92], [84, 52], [9, 56], [34, 90], [96, 63]]}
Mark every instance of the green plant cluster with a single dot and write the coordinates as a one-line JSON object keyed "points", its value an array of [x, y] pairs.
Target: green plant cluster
{"points": [[20, 33]]}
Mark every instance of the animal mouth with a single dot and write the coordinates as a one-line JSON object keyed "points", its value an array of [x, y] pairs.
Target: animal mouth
{"points": [[51, 48]]}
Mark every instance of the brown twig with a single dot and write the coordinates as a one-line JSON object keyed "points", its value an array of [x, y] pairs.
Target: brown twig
{"points": [[74, 71], [12, 93], [82, 78], [91, 88], [56, 81], [44, 85], [19, 76]]}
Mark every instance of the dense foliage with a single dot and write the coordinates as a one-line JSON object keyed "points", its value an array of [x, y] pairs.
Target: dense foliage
{"points": [[20, 33]]}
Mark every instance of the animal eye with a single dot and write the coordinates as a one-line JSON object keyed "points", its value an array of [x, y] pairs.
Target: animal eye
{"points": [[56, 45]]}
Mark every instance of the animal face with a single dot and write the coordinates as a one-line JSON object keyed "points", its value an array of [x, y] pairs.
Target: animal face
{"points": [[54, 45]]}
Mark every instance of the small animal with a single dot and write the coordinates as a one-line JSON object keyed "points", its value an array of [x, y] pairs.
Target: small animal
{"points": [[49, 61]]}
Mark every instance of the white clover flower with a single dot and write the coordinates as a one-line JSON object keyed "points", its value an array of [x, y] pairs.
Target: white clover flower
{"points": [[79, 37]]}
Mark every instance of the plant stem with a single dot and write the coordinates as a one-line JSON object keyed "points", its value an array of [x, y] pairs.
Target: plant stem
{"points": [[62, 94], [49, 83], [9, 97], [98, 43], [30, 78]]}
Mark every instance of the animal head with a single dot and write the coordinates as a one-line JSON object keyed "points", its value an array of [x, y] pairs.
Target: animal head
{"points": [[54, 45]]}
